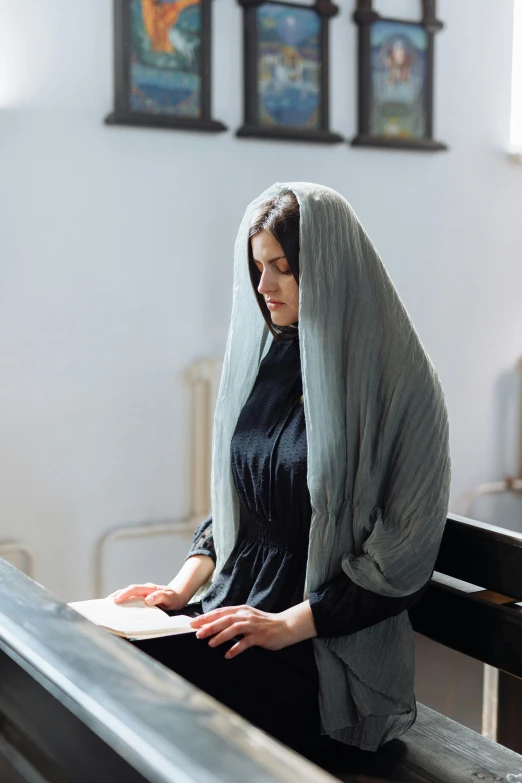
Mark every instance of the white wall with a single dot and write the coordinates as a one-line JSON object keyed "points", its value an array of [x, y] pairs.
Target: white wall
{"points": [[116, 261]]}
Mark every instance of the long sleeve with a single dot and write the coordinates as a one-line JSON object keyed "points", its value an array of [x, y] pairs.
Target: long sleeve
{"points": [[202, 540], [340, 607]]}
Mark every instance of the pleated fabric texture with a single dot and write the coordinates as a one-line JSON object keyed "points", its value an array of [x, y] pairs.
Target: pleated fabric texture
{"points": [[378, 452]]}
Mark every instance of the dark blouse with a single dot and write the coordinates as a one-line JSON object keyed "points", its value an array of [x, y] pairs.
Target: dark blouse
{"points": [[267, 566]]}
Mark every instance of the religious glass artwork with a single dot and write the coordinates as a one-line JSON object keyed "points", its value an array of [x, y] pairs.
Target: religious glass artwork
{"points": [[398, 80], [163, 65], [396, 72], [165, 62], [288, 66]]}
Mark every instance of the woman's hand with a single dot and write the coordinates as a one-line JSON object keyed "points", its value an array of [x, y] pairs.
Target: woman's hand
{"points": [[273, 631], [163, 596], [193, 574]]}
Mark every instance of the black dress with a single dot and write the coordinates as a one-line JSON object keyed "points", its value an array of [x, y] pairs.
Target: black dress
{"points": [[277, 691]]}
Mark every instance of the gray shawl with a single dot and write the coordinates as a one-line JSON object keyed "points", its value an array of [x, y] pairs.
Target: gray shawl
{"points": [[378, 452]]}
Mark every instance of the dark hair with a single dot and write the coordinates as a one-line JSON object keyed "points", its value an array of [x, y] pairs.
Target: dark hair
{"points": [[279, 216]]}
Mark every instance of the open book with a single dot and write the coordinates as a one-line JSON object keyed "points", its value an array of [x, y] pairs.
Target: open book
{"points": [[133, 619]]}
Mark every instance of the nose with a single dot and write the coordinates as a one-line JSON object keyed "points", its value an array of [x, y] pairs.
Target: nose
{"points": [[267, 284]]}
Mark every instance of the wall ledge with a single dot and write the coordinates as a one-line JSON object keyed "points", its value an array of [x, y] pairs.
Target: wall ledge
{"points": [[515, 153]]}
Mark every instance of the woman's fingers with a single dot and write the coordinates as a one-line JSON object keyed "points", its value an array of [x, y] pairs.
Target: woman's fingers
{"points": [[203, 619], [216, 614], [211, 628], [215, 627], [134, 591], [239, 647], [257, 628], [229, 633], [158, 597]]}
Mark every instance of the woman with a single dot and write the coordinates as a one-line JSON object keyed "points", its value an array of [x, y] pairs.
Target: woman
{"points": [[330, 485]]}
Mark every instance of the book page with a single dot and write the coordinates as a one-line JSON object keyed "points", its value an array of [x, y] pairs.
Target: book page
{"points": [[133, 617]]}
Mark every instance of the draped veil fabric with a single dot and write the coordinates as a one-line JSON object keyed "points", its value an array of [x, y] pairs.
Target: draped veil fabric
{"points": [[378, 452]]}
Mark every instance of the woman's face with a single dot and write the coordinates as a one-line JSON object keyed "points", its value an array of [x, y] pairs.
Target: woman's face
{"points": [[277, 285]]}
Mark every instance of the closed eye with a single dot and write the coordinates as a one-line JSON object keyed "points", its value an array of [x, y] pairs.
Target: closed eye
{"points": [[281, 271]]}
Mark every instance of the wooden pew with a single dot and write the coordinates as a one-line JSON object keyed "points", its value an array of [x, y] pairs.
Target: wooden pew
{"points": [[470, 606], [77, 704], [486, 623]]}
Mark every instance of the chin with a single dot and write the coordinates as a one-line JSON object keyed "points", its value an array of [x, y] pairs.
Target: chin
{"points": [[282, 321]]}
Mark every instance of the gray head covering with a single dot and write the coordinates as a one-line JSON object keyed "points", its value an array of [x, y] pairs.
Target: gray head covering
{"points": [[378, 452]]}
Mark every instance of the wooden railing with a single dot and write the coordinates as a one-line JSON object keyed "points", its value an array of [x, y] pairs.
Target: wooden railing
{"points": [[77, 704]]}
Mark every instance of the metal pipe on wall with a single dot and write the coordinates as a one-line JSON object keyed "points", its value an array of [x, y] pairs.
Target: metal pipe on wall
{"points": [[203, 378], [17, 548]]}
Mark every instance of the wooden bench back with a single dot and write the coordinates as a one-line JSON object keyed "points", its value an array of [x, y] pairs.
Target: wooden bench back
{"points": [[480, 619]]}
